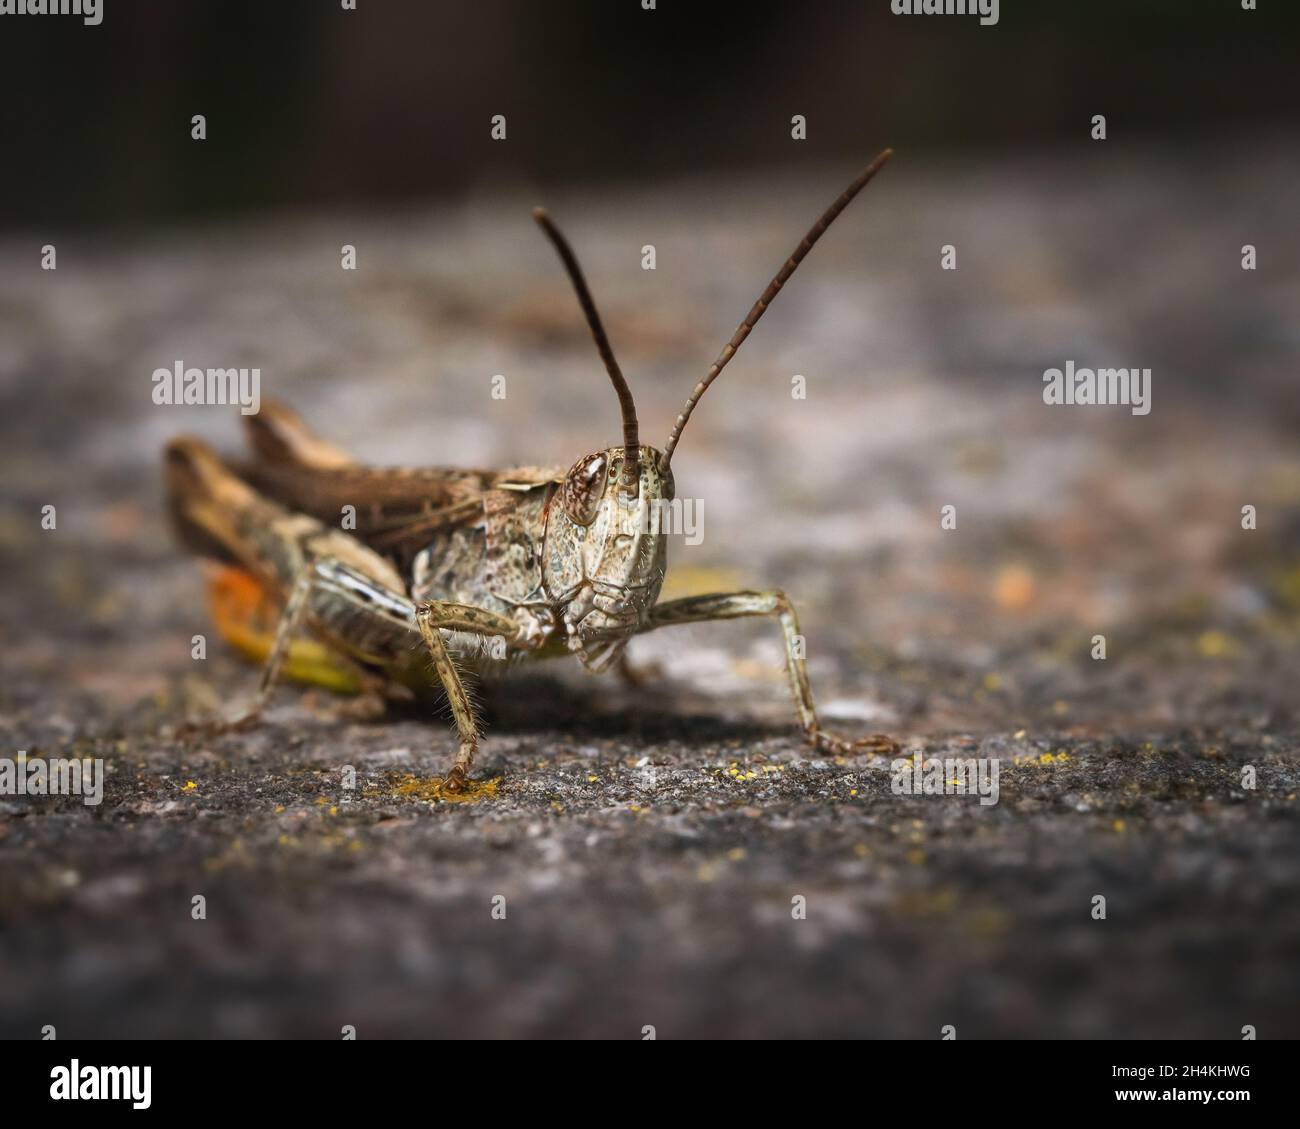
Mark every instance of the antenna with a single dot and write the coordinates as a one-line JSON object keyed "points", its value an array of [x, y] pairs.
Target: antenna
{"points": [[631, 439], [773, 288]]}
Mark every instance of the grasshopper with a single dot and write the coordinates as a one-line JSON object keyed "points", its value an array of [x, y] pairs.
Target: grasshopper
{"points": [[535, 561]]}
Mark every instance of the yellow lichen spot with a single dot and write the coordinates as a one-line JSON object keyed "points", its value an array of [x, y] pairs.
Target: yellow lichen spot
{"points": [[592, 779], [334, 809], [321, 801], [986, 923], [190, 786], [1119, 826], [927, 903], [992, 681], [1216, 645], [736, 854], [861, 850], [853, 791], [1019, 735], [279, 808], [433, 790], [1288, 587]]}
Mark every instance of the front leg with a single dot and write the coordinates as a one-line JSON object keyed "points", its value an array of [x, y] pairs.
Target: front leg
{"points": [[433, 619], [734, 605]]}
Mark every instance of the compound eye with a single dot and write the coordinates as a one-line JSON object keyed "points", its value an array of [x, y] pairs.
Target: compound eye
{"points": [[584, 487]]}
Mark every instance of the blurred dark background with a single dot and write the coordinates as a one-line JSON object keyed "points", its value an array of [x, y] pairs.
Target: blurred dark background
{"points": [[308, 104]]}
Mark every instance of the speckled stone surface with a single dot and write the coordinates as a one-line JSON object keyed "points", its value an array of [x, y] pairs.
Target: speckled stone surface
{"points": [[652, 846]]}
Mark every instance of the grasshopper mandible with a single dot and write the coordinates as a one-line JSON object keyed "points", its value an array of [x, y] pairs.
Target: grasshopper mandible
{"points": [[546, 560]]}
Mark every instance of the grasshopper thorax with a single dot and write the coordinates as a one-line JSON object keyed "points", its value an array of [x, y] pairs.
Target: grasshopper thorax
{"points": [[606, 552]]}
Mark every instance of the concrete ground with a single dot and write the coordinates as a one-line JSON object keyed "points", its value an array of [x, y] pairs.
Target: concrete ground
{"points": [[674, 857]]}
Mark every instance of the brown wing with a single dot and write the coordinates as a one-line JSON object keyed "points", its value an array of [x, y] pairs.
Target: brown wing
{"points": [[392, 507], [398, 510]]}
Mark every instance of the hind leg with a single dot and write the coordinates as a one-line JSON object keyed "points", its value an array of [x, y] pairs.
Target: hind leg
{"points": [[373, 620], [345, 592], [291, 624], [367, 619], [337, 671]]}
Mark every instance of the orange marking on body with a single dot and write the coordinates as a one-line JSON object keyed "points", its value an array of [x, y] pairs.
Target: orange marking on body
{"points": [[246, 614]]}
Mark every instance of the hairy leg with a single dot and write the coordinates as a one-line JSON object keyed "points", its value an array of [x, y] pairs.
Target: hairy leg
{"points": [[772, 603], [433, 619]]}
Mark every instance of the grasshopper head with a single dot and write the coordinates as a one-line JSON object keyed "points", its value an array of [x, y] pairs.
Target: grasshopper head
{"points": [[605, 553]]}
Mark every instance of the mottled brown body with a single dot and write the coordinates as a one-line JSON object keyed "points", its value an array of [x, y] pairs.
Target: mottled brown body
{"points": [[397, 568]]}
